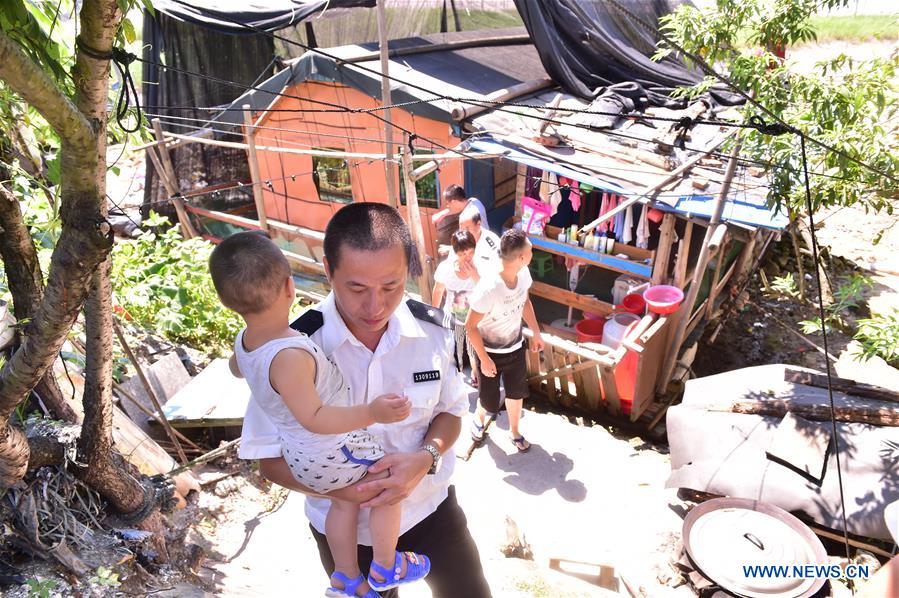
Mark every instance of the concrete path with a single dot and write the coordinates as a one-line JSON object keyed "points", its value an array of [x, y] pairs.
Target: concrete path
{"points": [[578, 494]]}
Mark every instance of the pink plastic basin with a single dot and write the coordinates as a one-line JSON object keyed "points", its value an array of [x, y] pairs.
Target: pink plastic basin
{"points": [[663, 298]]}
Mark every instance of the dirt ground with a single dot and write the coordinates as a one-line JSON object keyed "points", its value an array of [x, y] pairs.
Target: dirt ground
{"points": [[584, 493]]}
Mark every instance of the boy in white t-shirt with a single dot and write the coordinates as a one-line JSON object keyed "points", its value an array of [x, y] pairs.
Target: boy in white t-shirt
{"points": [[497, 306], [323, 438], [456, 277]]}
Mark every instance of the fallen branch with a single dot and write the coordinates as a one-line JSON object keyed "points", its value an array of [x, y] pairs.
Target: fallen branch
{"points": [[877, 416], [844, 385], [213, 454]]}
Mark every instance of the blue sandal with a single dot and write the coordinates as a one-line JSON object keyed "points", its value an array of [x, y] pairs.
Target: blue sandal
{"points": [[417, 566], [349, 587]]}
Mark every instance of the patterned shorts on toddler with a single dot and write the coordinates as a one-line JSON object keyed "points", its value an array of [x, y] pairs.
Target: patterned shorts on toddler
{"points": [[342, 467]]}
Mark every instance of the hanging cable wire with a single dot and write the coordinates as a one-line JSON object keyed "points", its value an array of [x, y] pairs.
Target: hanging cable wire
{"points": [[823, 316]]}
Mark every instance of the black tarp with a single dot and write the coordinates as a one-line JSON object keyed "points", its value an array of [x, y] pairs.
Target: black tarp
{"points": [[588, 45], [234, 16]]}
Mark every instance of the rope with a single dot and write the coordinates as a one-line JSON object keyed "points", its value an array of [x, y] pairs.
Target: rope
{"points": [[128, 93]]}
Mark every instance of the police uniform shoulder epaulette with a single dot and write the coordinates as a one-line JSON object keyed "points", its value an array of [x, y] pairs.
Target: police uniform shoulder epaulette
{"points": [[309, 322], [430, 314]]}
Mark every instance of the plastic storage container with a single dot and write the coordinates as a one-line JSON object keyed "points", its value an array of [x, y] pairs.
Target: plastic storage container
{"points": [[615, 328]]}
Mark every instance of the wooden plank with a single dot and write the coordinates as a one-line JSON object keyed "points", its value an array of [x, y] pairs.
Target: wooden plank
{"points": [[212, 398], [635, 253], [306, 233], [561, 363], [844, 385], [649, 362], [713, 287], [610, 390], [552, 379], [571, 299], [413, 217], [683, 256], [607, 261], [253, 161], [663, 253], [874, 415], [569, 368], [592, 390], [521, 170]]}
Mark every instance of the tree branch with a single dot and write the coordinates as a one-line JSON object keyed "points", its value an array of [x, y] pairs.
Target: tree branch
{"points": [[30, 81]]}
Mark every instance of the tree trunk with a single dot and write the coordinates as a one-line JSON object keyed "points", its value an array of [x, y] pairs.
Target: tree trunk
{"points": [[103, 472], [26, 284], [243, 59], [86, 235]]}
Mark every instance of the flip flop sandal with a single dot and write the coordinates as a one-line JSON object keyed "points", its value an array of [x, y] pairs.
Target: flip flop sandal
{"points": [[521, 444], [349, 587], [417, 566], [477, 431]]}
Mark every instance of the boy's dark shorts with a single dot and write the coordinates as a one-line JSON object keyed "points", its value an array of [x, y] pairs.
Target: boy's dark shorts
{"points": [[512, 368]]}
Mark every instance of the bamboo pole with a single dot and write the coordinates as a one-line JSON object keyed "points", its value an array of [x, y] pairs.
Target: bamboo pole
{"points": [[258, 198], [166, 172], [386, 100], [682, 316], [120, 390], [655, 188], [456, 153], [414, 218], [150, 393]]}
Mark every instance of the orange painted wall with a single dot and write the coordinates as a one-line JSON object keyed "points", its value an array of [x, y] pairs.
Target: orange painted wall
{"points": [[294, 199]]}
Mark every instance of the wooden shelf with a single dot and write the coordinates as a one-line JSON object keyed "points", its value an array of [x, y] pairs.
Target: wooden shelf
{"points": [[633, 267], [571, 299]]}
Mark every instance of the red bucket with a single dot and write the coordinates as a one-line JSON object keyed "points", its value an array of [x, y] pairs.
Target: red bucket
{"points": [[634, 303], [589, 331]]}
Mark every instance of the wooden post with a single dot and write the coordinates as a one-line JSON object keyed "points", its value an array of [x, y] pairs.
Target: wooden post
{"points": [[683, 255], [146, 383], [166, 172], [682, 316], [414, 219], [663, 253], [713, 291], [254, 166], [392, 196], [521, 172]]}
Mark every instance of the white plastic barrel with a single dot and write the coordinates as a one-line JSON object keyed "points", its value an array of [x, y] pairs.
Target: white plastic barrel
{"points": [[615, 327]]}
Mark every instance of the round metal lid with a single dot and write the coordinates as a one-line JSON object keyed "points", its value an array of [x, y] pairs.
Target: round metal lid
{"points": [[891, 514], [724, 535]]}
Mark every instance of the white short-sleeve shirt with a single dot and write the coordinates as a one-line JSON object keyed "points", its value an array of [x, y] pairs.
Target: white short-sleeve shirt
{"points": [[414, 358]]}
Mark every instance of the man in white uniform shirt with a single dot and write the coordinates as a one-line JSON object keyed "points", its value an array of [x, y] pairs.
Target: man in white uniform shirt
{"points": [[381, 344], [486, 250]]}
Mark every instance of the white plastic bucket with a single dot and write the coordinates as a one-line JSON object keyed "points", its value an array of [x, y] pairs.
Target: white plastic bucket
{"points": [[615, 328]]}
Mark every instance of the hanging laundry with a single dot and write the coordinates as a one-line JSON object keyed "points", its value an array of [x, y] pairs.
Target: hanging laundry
{"points": [[603, 208], [532, 182], [613, 203], [643, 228], [575, 196], [627, 235], [619, 222], [548, 185]]}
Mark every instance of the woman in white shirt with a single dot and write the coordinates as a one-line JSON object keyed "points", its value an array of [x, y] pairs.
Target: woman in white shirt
{"points": [[456, 277]]}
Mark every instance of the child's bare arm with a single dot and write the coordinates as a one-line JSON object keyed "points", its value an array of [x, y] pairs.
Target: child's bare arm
{"points": [[232, 365], [292, 375]]}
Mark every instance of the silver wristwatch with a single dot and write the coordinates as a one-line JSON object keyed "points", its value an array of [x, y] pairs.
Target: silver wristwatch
{"points": [[435, 454]]}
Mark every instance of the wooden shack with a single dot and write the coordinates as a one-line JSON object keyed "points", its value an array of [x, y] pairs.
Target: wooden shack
{"points": [[315, 136]]}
